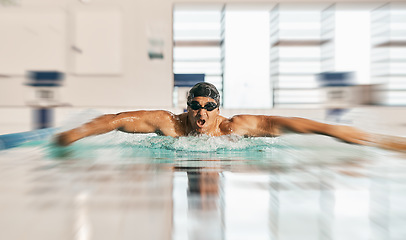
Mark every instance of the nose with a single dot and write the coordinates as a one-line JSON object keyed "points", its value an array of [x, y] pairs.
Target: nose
{"points": [[201, 111]]}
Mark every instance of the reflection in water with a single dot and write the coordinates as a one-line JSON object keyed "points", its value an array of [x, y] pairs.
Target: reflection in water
{"points": [[205, 205], [83, 229], [129, 192]]}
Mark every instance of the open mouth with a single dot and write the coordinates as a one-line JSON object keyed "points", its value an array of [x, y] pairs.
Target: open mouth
{"points": [[200, 123]]}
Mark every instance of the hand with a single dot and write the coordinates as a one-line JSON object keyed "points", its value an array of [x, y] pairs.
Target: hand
{"points": [[64, 139], [390, 142], [353, 135]]}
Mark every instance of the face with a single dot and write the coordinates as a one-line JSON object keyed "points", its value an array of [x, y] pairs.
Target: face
{"points": [[202, 120]]}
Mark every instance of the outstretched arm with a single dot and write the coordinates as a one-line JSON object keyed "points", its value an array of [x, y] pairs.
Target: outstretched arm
{"points": [[344, 133], [259, 125], [131, 122], [341, 132]]}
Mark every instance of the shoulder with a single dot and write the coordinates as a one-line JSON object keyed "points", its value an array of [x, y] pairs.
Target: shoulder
{"points": [[237, 124], [249, 119], [145, 112], [249, 125], [168, 117]]}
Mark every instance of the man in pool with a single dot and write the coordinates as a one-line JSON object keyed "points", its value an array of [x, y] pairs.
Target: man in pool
{"points": [[203, 117]]}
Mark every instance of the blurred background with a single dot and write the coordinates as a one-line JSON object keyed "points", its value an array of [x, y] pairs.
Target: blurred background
{"points": [[335, 61], [340, 61]]}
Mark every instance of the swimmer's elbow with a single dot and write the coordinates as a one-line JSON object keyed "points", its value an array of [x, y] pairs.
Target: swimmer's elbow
{"points": [[119, 121], [112, 121], [276, 125], [303, 125]]}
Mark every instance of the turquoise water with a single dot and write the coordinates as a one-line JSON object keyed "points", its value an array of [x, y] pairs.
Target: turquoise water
{"points": [[226, 153], [121, 147], [126, 186]]}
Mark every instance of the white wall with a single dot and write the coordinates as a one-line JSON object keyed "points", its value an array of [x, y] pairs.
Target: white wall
{"points": [[246, 71], [143, 83], [352, 42]]}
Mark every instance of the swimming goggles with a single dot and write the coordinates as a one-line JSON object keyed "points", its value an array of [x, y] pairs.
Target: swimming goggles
{"points": [[210, 106]]}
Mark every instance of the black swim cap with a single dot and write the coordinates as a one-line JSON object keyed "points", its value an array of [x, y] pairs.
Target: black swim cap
{"points": [[204, 89]]}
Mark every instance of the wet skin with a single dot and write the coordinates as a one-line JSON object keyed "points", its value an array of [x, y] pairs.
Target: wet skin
{"points": [[202, 121]]}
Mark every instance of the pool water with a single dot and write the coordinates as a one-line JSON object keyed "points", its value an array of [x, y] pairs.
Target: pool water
{"points": [[123, 186]]}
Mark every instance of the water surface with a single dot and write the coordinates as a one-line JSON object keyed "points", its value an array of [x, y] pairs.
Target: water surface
{"points": [[124, 186]]}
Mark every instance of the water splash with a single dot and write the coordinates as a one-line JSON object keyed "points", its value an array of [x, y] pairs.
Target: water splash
{"points": [[121, 147], [204, 143]]}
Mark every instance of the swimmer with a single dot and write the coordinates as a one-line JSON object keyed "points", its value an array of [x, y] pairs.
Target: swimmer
{"points": [[203, 117]]}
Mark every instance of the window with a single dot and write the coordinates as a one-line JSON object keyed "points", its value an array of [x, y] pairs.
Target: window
{"points": [[270, 55], [246, 44], [198, 41]]}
